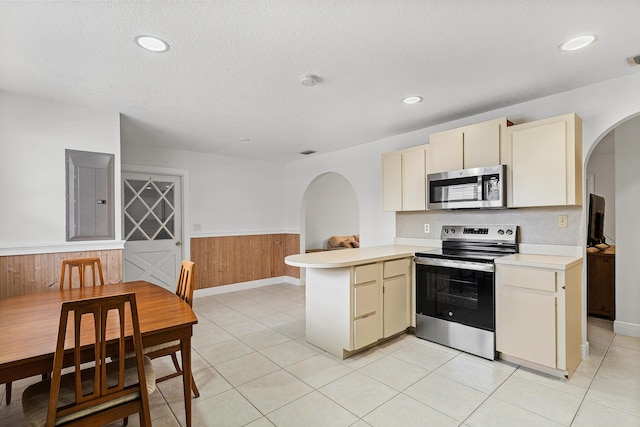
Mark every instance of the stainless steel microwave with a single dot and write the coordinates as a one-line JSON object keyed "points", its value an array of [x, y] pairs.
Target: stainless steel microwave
{"points": [[483, 187]]}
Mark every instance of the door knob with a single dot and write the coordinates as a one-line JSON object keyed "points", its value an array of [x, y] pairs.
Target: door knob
{"points": [[178, 243]]}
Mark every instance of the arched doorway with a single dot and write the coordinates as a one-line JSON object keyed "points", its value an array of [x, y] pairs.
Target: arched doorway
{"points": [[611, 171], [329, 207]]}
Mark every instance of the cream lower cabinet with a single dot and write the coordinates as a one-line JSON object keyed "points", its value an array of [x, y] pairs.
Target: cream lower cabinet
{"points": [[538, 317], [351, 308], [396, 296], [366, 305]]}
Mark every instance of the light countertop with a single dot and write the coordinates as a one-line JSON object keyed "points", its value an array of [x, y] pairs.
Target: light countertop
{"points": [[356, 256], [542, 261]]}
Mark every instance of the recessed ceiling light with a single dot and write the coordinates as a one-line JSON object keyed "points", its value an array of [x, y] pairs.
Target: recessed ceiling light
{"points": [[243, 139], [577, 43], [152, 44], [412, 99]]}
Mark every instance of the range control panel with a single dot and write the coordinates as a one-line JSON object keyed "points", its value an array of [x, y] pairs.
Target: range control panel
{"points": [[482, 232]]}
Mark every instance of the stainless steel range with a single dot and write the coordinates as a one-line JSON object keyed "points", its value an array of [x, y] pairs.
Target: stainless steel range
{"points": [[455, 287]]}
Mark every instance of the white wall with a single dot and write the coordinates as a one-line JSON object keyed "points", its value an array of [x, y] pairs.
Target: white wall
{"points": [[330, 209], [628, 239], [228, 196], [34, 134]]}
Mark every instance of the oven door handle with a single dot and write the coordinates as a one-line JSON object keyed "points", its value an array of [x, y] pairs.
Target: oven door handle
{"points": [[462, 265]]}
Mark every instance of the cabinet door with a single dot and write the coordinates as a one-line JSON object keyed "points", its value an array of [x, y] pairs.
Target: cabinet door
{"points": [[482, 146], [445, 153], [414, 178], [392, 181], [396, 305], [366, 331], [539, 166], [527, 325], [600, 284]]}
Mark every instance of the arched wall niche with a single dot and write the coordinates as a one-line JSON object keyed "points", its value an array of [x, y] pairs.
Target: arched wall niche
{"points": [[329, 207]]}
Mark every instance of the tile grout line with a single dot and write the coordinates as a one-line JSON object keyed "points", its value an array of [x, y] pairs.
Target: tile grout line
{"points": [[595, 374]]}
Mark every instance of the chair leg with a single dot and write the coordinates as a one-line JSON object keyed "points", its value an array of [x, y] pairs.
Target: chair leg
{"points": [[174, 358], [126, 421], [7, 388], [193, 387]]}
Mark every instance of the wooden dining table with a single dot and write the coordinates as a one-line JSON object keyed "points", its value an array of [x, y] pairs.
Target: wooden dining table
{"points": [[29, 327]]}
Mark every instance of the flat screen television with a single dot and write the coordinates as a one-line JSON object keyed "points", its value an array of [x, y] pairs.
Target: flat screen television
{"points": [[595, 233]]}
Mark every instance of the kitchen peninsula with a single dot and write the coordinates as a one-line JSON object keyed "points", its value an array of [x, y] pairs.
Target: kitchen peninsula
{"points": [[357, 297]]}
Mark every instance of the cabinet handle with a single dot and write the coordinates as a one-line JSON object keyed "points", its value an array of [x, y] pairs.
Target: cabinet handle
{"points": [[364, 316]]}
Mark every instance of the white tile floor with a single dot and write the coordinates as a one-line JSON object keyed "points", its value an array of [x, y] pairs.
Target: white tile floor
{"points": [[254, 368]]}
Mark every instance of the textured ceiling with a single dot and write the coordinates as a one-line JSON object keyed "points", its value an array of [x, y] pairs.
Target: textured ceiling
{"points": [[233, 67]]}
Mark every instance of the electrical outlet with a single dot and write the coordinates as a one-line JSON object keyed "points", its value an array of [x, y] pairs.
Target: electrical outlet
{"points": [[563, 221], [427, 228]]}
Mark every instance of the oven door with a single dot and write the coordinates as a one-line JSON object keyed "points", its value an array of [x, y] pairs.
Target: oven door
{"points": [[456, 291]]}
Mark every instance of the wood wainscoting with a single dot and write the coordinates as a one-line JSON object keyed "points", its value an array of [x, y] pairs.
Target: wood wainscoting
{"points": [[234, 259], [24, 274]]}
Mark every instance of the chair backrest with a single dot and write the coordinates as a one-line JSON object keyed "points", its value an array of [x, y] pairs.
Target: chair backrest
{"points": [[184, 288], [105, 319], [81, 264]]}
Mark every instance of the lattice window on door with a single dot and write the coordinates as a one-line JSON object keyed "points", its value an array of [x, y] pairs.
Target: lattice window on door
{"points": [[149, 212]]}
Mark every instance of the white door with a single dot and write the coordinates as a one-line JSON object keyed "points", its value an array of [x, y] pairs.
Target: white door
{"points": [[152, 224]]}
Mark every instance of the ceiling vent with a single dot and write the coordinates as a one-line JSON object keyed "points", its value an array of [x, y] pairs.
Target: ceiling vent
{"points": [[307, 152], [634, 61]]}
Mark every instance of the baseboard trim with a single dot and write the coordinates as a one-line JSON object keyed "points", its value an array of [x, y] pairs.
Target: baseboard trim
{"points": [[625, 328], [217, 290], [585, 350]]}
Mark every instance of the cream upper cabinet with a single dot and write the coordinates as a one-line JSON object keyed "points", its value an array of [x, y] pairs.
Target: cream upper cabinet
{"points": [[467, 147], [392, 181], [414, 179], [482, 145], [538, 316], [404, 176], [446, 151], [545, 162]]}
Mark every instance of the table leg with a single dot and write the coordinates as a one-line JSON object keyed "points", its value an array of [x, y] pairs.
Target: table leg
{"points": [[185, 344]]}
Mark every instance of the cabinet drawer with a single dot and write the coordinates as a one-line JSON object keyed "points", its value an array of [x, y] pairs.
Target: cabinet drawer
{"points": [[365, 273], [396, 267], [530, 278], [366, 299], [366, 331]]}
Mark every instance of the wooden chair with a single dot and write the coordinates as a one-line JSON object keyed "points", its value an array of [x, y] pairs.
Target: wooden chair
{"points": [[81, 264], [113, 387], [184, 289]]}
